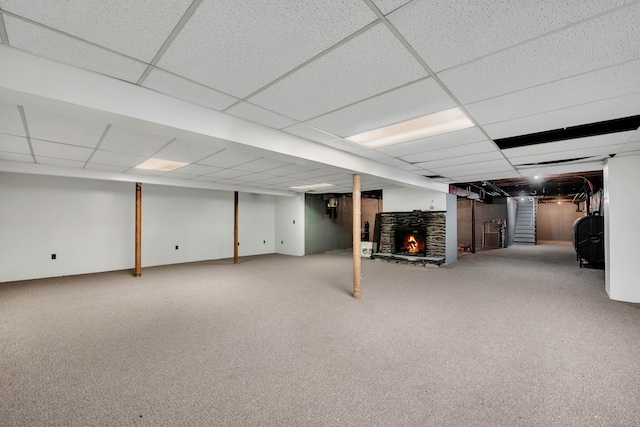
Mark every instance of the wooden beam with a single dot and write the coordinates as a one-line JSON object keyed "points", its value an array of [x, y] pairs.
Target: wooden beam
{"points": [[357, 221], [138, 267], [235, 227]]}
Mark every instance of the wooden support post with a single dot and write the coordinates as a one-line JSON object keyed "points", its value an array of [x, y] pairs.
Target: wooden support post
{"points": [[138, 267], [235, 227], [473, 226], [357, 221]]}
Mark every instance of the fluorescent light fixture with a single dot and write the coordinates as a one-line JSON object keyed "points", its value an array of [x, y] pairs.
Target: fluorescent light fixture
{"points": [[311, 186], [433, 124], [160, 165]]}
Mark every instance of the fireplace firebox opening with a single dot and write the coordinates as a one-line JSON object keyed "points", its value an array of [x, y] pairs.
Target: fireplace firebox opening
{"points": [[410, 241]]}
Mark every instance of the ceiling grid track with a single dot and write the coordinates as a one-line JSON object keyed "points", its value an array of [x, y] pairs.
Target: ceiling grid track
{"points": [[367, 99], [179, 26], [157, 151], [3, 31], [541, 36], [26, 132], [55, 30], [307, 62], [104, 134], [433, 75]]}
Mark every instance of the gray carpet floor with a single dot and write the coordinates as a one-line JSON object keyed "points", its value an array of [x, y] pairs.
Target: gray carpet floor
{"points": [[507, 337]]}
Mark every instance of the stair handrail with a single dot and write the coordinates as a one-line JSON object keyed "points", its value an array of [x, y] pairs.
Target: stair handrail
{"points": [[533, 208]]}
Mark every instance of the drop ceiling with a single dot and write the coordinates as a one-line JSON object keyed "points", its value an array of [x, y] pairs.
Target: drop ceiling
{"points": [[311, 74]]}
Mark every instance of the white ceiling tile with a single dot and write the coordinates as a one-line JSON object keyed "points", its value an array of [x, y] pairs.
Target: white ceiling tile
{"points": [[261, 165], [56, 127], [630, 146], [106, 168], [299, 182], [451, 139], [487, 176], [461, 31], [130, 141], [277, 180], [480, 172], [148, 172], [113, 24], [224, 39], [317, 173], [178, 175], [408, 102], [61, 48], [16, 157], [193, 170], [228, 174], [635, 136], [409, 167], [60, 151], [292, 169], [10, 120], [181, 88], [308, 132], [392, 161], [612, 139], [14, 144], [599, 43], [461, 160], [116, 159], [387, 6], [259, 115], [565, 155], [186, 151], [590, 164], [233, 182], [598, 85], [623, 154], [371, 63], [59, 162], [464, 168], [253, 177], [206, 178], [622, 106], [457, 151], [229, 158]]}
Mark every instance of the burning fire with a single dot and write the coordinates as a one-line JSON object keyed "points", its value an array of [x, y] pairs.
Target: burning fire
{"points": [[412, 245]]}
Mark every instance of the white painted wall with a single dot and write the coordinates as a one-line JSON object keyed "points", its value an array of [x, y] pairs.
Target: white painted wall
{"points": [[451, 248], [622, 252], [409, 199], [89, 225], [290, 225], [199, 222], [256, 224]]}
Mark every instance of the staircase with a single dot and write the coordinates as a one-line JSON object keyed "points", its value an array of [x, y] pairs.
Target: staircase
{"points": [[526, 222]]}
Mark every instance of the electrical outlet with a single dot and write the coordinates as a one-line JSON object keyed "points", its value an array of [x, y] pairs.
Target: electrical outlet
{"points": [[264, 242], [53, 256], [176, 247]]}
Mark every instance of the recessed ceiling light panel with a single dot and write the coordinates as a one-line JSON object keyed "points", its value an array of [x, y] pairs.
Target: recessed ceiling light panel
{"points": [[160, 165], [311, 186], [433, 124]]}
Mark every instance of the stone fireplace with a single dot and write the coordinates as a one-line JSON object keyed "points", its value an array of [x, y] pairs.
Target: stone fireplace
{"points": [[414, 234]]}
